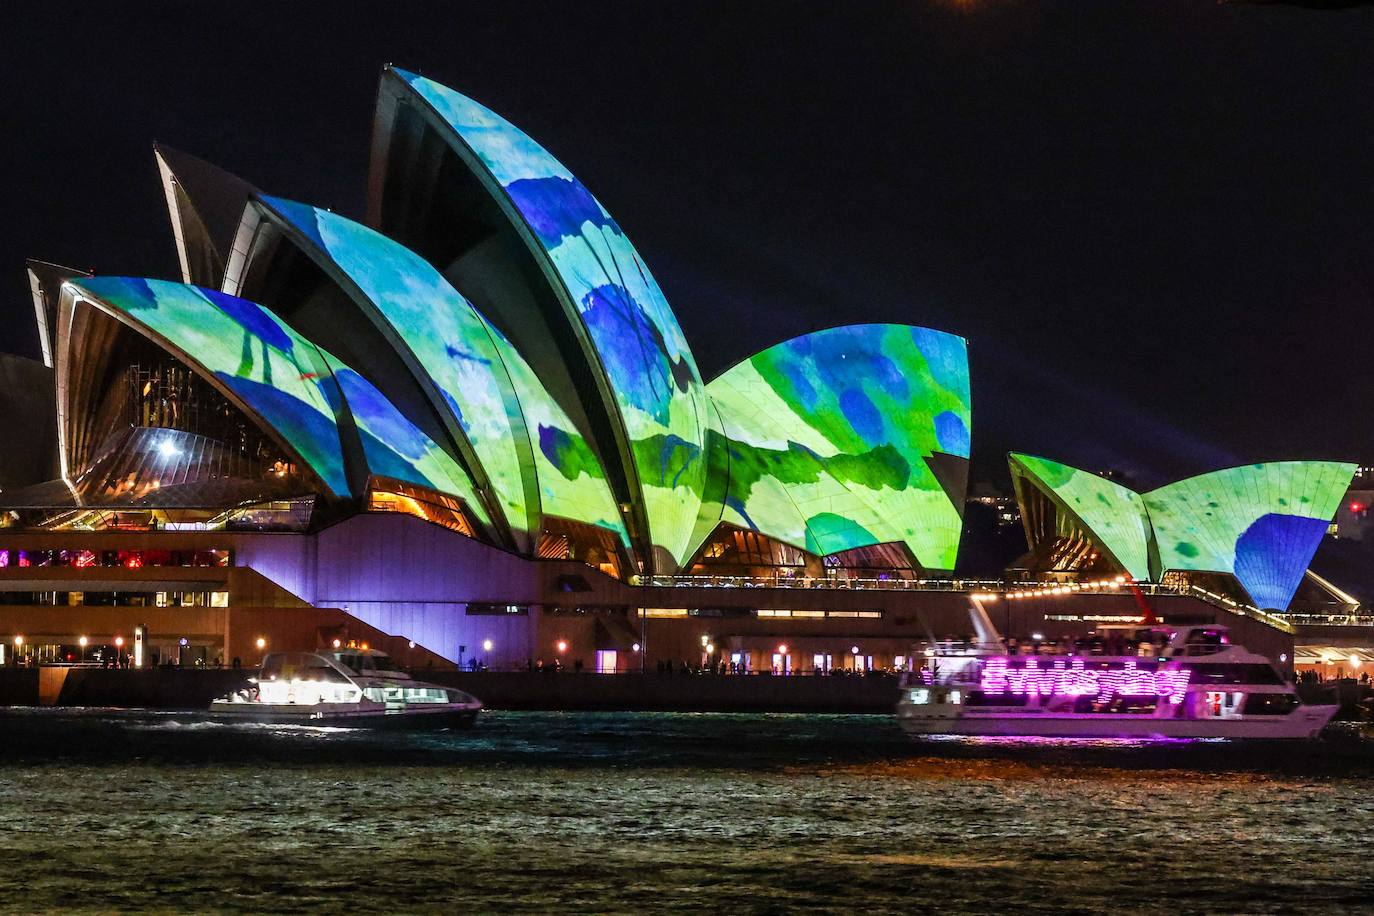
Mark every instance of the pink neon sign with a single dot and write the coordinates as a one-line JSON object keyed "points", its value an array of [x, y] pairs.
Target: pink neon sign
{"points": [[1069, 678]]}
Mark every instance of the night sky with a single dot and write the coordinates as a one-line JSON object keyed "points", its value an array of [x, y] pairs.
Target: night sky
{"points": [[1154, 221]]}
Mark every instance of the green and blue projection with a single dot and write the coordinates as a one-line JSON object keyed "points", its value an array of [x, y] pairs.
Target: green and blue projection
{"points": [[840, 439], [536, 461], [850, 437], [290, 386], [617, 307], [1261, 523], [1115, 514]]}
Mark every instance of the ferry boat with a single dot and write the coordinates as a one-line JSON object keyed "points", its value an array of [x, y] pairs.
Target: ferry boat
{"points": [[352, 688], [1144, 681]]}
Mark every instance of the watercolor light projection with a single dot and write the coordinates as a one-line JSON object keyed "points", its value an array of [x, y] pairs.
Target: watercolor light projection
{"points": [[838, 439], [440, 337], [659, 396], [834, 440], [292, 387], [1260, 522]]}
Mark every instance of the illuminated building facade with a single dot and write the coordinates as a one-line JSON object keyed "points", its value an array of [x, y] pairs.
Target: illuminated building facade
{"points": [[471, 422]]}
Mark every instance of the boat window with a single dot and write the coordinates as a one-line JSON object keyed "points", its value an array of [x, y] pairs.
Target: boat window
{"points": [[1220, 673], [1269, 704], [353, 661], [384, 663], [979, 698], [299, 666], [1140, 706], [365, 662]]}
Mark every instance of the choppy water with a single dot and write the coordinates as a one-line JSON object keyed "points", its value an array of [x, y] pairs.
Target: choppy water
{"points": [[670, 813]]}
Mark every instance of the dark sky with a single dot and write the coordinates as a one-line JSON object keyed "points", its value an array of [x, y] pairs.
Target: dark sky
{"points": [[1154, 221]]}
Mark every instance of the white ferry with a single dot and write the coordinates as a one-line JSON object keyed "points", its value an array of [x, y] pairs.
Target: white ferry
{"points": [[1154, 682], [353, 688]]}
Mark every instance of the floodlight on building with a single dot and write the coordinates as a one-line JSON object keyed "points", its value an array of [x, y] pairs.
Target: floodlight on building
{"points": [[486, 645], [261, 643], [561, 646]]}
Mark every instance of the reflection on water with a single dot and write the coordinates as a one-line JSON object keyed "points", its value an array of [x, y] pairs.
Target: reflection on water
{"points": [[669, 812]]}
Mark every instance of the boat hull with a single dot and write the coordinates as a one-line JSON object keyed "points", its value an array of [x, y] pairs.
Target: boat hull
{"points": [[1304, 722], [409, 719]]}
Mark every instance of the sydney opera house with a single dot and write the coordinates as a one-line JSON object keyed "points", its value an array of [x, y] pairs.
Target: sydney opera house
{"points": [[469, 428]]}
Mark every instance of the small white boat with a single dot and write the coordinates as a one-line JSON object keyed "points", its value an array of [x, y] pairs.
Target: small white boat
{"points": [[353, 688], [1158, 682]]}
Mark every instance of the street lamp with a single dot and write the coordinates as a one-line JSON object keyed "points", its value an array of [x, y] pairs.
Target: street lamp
{"points": [[81, 641]]}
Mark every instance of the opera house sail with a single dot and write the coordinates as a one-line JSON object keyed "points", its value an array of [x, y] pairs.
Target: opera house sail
{"points": [[1257, 526]]}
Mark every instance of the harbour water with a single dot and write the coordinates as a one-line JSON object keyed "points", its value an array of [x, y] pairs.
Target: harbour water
{"points": [[534, 812]]}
